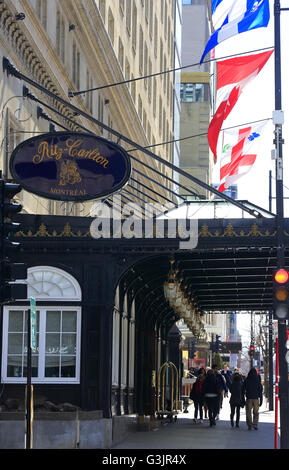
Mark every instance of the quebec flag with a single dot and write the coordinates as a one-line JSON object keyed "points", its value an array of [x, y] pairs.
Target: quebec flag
{"points": [[240, 150], [243, 16]]}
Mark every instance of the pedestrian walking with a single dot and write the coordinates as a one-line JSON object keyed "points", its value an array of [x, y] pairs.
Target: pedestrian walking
{"points": [[237, 371], [237, 399], [196, 394], [190, 374], [253, 389], [222, 387], [227, 374], [211, 393], [205, 404]]}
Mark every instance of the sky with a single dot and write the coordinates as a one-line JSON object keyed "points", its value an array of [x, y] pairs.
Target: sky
{"points": [[244, 327], [258, 102]]}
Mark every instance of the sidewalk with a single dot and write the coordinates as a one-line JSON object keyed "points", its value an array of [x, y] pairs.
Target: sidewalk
{"points": [[184, 434]]}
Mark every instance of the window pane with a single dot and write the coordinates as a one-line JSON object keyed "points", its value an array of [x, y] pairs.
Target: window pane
{"points": [[16, 321], [68, 368], [15, 341], [53, 321], [35, 365], [14, 366], [68, 344], [52, 343], [199, 92], [52, 364], [69, 321], [194, 92], [189, 92]]}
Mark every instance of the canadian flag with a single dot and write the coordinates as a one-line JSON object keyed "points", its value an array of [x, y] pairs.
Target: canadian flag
{"points": [[232, 76], [240, 149]]}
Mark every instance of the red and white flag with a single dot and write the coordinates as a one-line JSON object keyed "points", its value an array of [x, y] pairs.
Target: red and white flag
{"points": [[240, 149], [232, 76]]}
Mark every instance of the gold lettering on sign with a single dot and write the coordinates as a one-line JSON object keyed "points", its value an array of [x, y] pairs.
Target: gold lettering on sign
{"points": [[44, 150], [68, 192], [73, 149]]}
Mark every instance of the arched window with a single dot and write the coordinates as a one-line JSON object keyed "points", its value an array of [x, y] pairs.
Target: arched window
{"points": [[48, 282], [57, 355]]}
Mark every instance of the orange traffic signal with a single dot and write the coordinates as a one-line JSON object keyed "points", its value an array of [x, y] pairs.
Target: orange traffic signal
{"points": [[281, 293]]}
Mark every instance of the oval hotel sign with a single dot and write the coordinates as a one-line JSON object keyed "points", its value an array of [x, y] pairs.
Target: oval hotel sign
{"points": [[70, 166]]}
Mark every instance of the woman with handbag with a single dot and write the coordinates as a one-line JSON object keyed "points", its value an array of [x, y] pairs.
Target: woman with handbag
{"points": [[237, 399]]}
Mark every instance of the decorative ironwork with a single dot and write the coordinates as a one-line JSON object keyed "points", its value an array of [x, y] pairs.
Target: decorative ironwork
{"points": [[204, 232], [42, 231]]}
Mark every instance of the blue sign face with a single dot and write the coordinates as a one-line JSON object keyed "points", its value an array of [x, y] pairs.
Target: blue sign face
{"points": [[70, 166]]}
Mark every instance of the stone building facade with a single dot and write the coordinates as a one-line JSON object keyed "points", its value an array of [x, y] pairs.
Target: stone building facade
{"points": [[69, 46]]}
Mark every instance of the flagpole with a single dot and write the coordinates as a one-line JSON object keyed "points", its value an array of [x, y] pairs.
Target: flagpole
{"points": [[278, 141]]}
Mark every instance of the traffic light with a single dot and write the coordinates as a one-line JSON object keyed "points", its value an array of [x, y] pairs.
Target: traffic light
{"points": [[281, 294], [10, 271], [8, 209], [218, 344], [252, 350]]}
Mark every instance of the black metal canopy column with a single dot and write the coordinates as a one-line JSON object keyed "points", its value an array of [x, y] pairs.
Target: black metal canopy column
{"points": [[270, 347], [120, 317], [282, 326]]}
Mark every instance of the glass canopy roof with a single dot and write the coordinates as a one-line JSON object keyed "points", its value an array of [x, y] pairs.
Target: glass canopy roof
{"points": [[213, 209]]}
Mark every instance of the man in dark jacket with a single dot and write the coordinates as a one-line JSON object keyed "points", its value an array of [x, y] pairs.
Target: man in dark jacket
{"points": [[211, 392], [222, 387], [228, 375], [253, 389]]}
